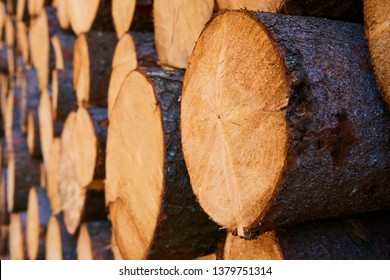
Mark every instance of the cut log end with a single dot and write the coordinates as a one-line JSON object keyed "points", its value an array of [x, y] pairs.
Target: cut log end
{"points": [[251, 110], [122, 13], [46, 127], [53, 240], [53, 176], [33, 139], [148, 156], [16, 237]]}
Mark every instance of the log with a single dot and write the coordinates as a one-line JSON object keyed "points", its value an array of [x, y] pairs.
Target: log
{"points": [[2, 23], [94, 241], [147, 186], [42, 28], [89, 141], [177, 26], [91, 15], [9, 32], [346, 10], [93, 54], [22, 173], [309, 153], [17, 236], [22, 14], [33, 135], [63, 14], [22, 42], [64, 97], [38, 215], [377, 17], [46, 124], [114, 248], [11, 67], [4, 236], [79, 203], [4, 214], [129, 53], [360, 237], [60, 245], [36, 7], [53, 176], [63, 45], [122, 15]]}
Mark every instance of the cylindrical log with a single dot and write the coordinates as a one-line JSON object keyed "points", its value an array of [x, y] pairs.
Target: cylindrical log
{"points": [[11, 66], [63, 45], [53, 176], [46, 125], [36, 7], [9, 32], [33, 135], [38, 215], [22, 173], [93, 54], [22, 41], [358, 237], [288, 132], [22, 14], [89, 141], [122, 14], [94, 241], [132, 50], [63, 14], [377, 18], [2, 23], [64, 97], [90, 15], [348, 10], [60, 245], [79, 203], [177, 26], [147, 186], [17, 236]]}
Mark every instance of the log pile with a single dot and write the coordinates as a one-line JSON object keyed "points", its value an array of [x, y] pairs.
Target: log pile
{"points": [[194, 129]]}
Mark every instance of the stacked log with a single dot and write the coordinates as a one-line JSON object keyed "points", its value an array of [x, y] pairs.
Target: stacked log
{"points": [[300, 117]]}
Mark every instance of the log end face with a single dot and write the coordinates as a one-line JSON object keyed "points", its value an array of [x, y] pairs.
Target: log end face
{"points": [[237, 127], [53, 240]]}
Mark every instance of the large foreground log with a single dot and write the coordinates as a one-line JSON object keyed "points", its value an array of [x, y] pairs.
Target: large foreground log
{"points": [[177, 26], [377, 18], [349, 10], [93, 54], [38, 215], [358, 237], [287, 131], [147, 186], [60, 245], [94, 241]]}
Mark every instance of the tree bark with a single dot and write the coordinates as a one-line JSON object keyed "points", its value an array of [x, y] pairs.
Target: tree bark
{"points": [[33, 135], [377, 17], [177, 26], [38, 215], [92, 67], [145, 164], [361, 237], [4, 61], [346, 10], [60, 245], [63, 46], [94, 241], [29, 96], [64, 97], [22, 173], [316, 138]]}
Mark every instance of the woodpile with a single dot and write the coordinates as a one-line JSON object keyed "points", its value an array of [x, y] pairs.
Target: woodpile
{"points": [[198, 130]]}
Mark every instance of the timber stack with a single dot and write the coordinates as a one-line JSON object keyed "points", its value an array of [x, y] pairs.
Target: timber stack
{"points": [[202, 129]]}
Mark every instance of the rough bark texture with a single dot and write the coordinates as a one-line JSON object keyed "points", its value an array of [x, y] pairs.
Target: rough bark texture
{"points": [[338, 127], [3, 61], [29, 96], [146, 50], [364, 237], [99, 233], [65, 97]]}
